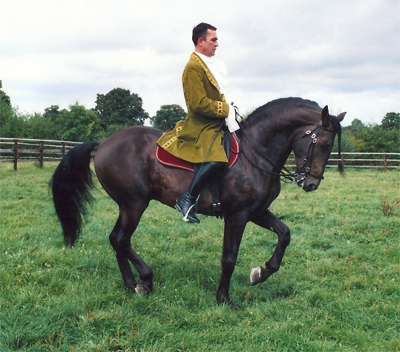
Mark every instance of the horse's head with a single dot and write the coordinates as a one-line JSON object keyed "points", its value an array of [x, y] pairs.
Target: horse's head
{"points": [[313, 147]]}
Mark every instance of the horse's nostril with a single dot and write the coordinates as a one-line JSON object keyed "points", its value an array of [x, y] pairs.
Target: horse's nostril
{"points": [[310, 187]]}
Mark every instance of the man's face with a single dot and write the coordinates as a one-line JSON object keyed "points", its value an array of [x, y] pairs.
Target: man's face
{"points": [[209, 45]]}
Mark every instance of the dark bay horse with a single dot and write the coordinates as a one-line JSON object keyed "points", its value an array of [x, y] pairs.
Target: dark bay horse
{"points": [[128, 170]]}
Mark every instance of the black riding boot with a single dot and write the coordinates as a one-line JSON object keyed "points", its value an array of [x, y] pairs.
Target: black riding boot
{"points": [[187, 204]]}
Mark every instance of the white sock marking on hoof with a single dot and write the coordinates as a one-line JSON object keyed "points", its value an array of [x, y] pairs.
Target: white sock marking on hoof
{"points": [[255, 275], [140, 289]]}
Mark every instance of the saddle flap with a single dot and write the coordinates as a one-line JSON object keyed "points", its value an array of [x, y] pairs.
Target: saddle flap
{"points": [[168, 159]]}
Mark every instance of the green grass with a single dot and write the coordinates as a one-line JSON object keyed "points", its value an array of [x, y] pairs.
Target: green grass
{"points": [[337, 289]]}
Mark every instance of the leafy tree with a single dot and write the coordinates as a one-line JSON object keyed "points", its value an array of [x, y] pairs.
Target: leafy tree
{"points": [[6, 113], [39, 127], [348, 142], [52, 113], [375, 138], [356, 126], [52, 116], [359, 134], [120, 107], [14, 126], [78, 124], [391, 121], [167, 116]]}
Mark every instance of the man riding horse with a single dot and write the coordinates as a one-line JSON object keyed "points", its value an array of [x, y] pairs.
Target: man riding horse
{"points": [[198, 138]]}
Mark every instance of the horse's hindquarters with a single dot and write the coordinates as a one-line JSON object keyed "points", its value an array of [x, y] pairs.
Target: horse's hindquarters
{"points": [[123, 163]]}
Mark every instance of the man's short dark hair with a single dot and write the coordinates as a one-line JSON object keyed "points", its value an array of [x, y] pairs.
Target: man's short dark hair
{"points": [[200, 31]]}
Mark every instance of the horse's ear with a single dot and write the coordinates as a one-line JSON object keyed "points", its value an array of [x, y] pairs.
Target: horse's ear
{"points": [[326, 119], [341, 116]]}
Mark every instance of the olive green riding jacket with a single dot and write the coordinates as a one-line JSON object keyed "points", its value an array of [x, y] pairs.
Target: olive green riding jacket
{"points": [[198, 138]]}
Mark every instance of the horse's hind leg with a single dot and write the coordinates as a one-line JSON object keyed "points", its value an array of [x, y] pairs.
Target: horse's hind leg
{"points": [[271, 222], [120, 239]]}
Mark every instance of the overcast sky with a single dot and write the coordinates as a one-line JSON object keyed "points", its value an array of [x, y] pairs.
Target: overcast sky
{"points": [[342, 53]]}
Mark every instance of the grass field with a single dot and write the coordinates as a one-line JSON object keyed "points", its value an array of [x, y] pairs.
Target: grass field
{"points": [[337, 289]]}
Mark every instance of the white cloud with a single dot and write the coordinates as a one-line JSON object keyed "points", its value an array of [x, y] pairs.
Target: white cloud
{"points": [[344, 54]]}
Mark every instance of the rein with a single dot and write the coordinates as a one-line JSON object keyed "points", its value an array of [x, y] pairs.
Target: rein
{"points": [[286, 175]]}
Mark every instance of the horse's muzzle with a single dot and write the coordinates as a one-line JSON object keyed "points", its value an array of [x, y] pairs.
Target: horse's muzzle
{"points": [[307, 182], [311, 183], [310, 186]]}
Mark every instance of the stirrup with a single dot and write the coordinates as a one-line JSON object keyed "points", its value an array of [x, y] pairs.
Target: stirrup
{"points": [[187, 208], [190, 215]]}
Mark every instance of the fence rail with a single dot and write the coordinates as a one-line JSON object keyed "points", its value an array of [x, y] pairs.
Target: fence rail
{"points": [[21, 150], [382, 161]]}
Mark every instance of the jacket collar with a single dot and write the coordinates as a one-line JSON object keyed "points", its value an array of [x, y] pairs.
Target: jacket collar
{"points": [[210, 76]]}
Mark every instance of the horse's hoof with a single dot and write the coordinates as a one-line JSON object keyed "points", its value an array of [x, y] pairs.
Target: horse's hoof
{"points": [[229, 304], [233, 306], [255, 275], [142, 289]]}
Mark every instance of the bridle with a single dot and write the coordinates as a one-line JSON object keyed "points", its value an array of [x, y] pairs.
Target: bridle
{"points": [[305, 169], [286, 175]]}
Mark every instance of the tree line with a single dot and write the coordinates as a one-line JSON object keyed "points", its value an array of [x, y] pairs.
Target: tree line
{"points": [[119, 109], [373, 138], [113, 111]]}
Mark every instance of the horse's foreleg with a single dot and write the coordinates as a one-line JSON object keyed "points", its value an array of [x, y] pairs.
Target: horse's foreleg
{"points": [[271, 222], [233, 232], [120, 239]]}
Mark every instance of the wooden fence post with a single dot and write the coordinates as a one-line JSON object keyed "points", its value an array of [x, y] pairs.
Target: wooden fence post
{"points": [[62, 148], [15, 154], [41, 153], [384, 162]]}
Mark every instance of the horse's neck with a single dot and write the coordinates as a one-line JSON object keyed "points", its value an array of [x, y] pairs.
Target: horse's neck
{"points": [[274, 137], [279, 149], [270, 141]]}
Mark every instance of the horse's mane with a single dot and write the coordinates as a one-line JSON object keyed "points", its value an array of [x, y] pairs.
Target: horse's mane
{"points": [[283, 102]]}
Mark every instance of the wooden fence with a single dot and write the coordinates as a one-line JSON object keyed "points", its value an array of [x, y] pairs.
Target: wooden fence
{"points": [[382, 161], [21, 150]]}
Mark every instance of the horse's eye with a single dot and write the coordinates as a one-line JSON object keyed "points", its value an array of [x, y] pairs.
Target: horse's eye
{"points": [[323, 147]]}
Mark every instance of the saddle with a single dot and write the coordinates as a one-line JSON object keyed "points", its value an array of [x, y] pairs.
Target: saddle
{"points": [[230, 143], [231, 147]]}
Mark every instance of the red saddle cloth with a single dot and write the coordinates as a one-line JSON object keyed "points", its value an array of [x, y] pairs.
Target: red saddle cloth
{"points": [[168, 159]]}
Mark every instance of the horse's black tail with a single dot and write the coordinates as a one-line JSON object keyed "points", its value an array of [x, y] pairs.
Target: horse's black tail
{"points": [[71, 185]]}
